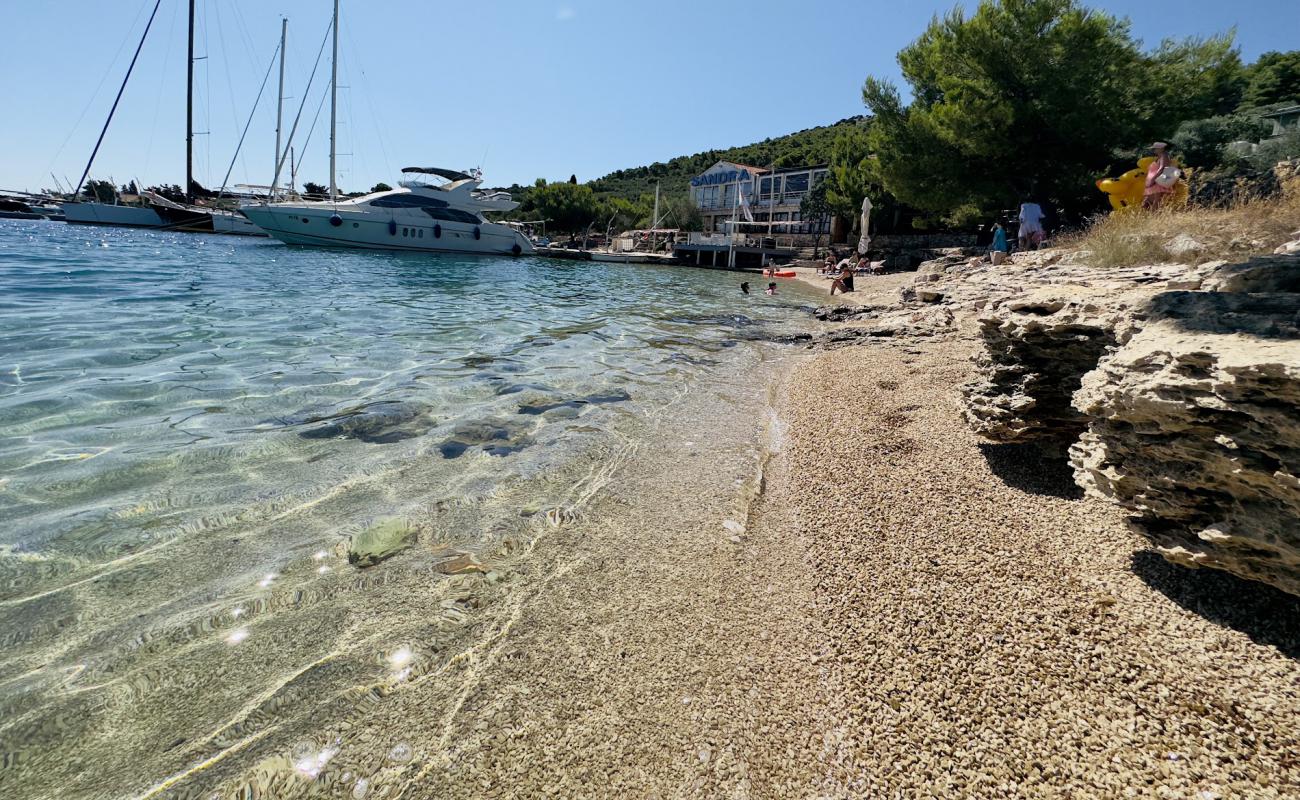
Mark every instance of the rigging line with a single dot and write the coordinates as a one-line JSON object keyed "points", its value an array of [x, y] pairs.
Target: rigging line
{"points": [[251, 48], [370, 102], [242, 27], [163, 73], [279, 165], [117, 99], [103, 77], [230, 85], [207, 96], [314, 119], [253, 111], [350, 125]]}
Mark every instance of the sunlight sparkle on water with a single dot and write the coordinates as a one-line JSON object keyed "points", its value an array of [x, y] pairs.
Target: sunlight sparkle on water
{"points": [[268, 580], [311, 765], [400, 657], [236, 636]]}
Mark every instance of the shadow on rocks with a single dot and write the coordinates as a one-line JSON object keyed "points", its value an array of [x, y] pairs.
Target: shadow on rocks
{"points": [[1034, 467], [1269, 616]]}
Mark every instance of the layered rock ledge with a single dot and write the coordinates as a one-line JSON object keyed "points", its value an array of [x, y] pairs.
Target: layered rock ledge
{"points": [[1177, 385], [1194, 428], [1036, 353]]}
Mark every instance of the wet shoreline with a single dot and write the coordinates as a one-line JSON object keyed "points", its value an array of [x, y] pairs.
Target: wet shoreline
{"points": [[182, 612]]}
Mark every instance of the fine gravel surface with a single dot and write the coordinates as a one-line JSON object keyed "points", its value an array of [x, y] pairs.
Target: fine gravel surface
{"points": [[907, 612], [991, 634], [661, 643]]}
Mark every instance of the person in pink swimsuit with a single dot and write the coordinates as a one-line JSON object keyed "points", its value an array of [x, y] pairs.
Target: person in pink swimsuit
{"points": [[1154, 194]]}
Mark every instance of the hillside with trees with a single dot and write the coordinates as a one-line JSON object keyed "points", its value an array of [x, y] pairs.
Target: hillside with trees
{"points": [[810, 146], [625, 198]]}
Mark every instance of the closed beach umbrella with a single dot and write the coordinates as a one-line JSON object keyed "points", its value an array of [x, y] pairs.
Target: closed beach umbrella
{"points": [[865, 241]]}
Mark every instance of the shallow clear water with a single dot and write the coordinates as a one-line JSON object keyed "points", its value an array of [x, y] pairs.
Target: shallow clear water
{"points": [[193, 427]]}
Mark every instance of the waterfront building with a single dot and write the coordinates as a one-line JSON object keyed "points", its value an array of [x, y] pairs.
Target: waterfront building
{"points": [[1283, 119], [773, 198]]}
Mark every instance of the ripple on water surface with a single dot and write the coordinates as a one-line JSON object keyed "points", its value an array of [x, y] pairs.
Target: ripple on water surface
{"points": [[192, 428]]}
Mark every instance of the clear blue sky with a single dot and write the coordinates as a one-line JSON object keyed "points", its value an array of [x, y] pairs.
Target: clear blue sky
{"points": [[542, 88]]}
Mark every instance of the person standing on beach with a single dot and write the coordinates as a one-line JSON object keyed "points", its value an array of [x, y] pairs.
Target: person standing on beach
{"points": [[1154, 195], [998, 250], [1031, 226]]}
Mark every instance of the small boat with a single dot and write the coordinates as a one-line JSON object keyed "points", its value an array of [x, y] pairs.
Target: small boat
{"points": [[48, 209], [17, 209], [632, 257]]}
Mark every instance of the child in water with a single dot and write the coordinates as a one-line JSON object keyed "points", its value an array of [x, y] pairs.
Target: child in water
{"points": [[744, 287], [771, 288]]}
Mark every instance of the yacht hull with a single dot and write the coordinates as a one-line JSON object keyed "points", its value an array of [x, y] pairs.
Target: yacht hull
{"points": [[236, 225], [197, 220], [402, 229], [105, 214]]}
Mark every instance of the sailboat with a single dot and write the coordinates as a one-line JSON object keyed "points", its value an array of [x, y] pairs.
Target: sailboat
{"points": [[435, 210], [97, 213], [157, 211]]}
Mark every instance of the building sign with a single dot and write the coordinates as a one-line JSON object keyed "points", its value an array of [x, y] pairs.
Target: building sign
{"points": [[715, 178]]}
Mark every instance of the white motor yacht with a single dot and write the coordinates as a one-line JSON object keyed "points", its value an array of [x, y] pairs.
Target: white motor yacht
{"points": [[421, 215]]}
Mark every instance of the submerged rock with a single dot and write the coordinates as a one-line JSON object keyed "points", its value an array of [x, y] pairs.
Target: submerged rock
{"points": [[375, 423], [498, 437], [380, 541], [600, 398], [712, 320]]}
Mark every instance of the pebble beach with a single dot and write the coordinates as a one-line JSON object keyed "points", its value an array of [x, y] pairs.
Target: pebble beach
{"points": [[991, 633], [908, 612]]}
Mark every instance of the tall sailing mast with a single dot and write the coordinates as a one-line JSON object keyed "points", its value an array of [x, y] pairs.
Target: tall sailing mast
{"points": [[189, 114], [334, 101], [77, 191], [279, 109]]}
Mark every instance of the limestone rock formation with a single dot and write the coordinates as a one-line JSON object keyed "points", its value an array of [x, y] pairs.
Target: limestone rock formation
{"points": [[1036, 351], [1194, 428], [1275, 273]]}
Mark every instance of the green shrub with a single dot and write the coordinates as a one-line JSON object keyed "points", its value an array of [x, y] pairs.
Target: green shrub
{"points": [[1201, 142]]}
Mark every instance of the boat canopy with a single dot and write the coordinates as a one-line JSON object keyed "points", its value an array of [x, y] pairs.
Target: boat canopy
{"points": [[449, 174]]}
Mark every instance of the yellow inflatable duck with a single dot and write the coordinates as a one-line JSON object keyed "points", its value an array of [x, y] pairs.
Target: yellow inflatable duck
{"points": [[1125, 192]]}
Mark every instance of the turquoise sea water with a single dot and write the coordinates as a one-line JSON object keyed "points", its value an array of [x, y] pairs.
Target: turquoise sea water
{"points": [[193, 427]]}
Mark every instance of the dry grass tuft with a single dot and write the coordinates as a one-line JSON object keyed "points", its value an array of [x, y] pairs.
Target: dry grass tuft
{"points": [[1193, 235]]}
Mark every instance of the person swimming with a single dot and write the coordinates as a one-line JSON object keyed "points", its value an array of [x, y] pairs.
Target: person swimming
{"points": [[771, 288], [744, 287]]}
